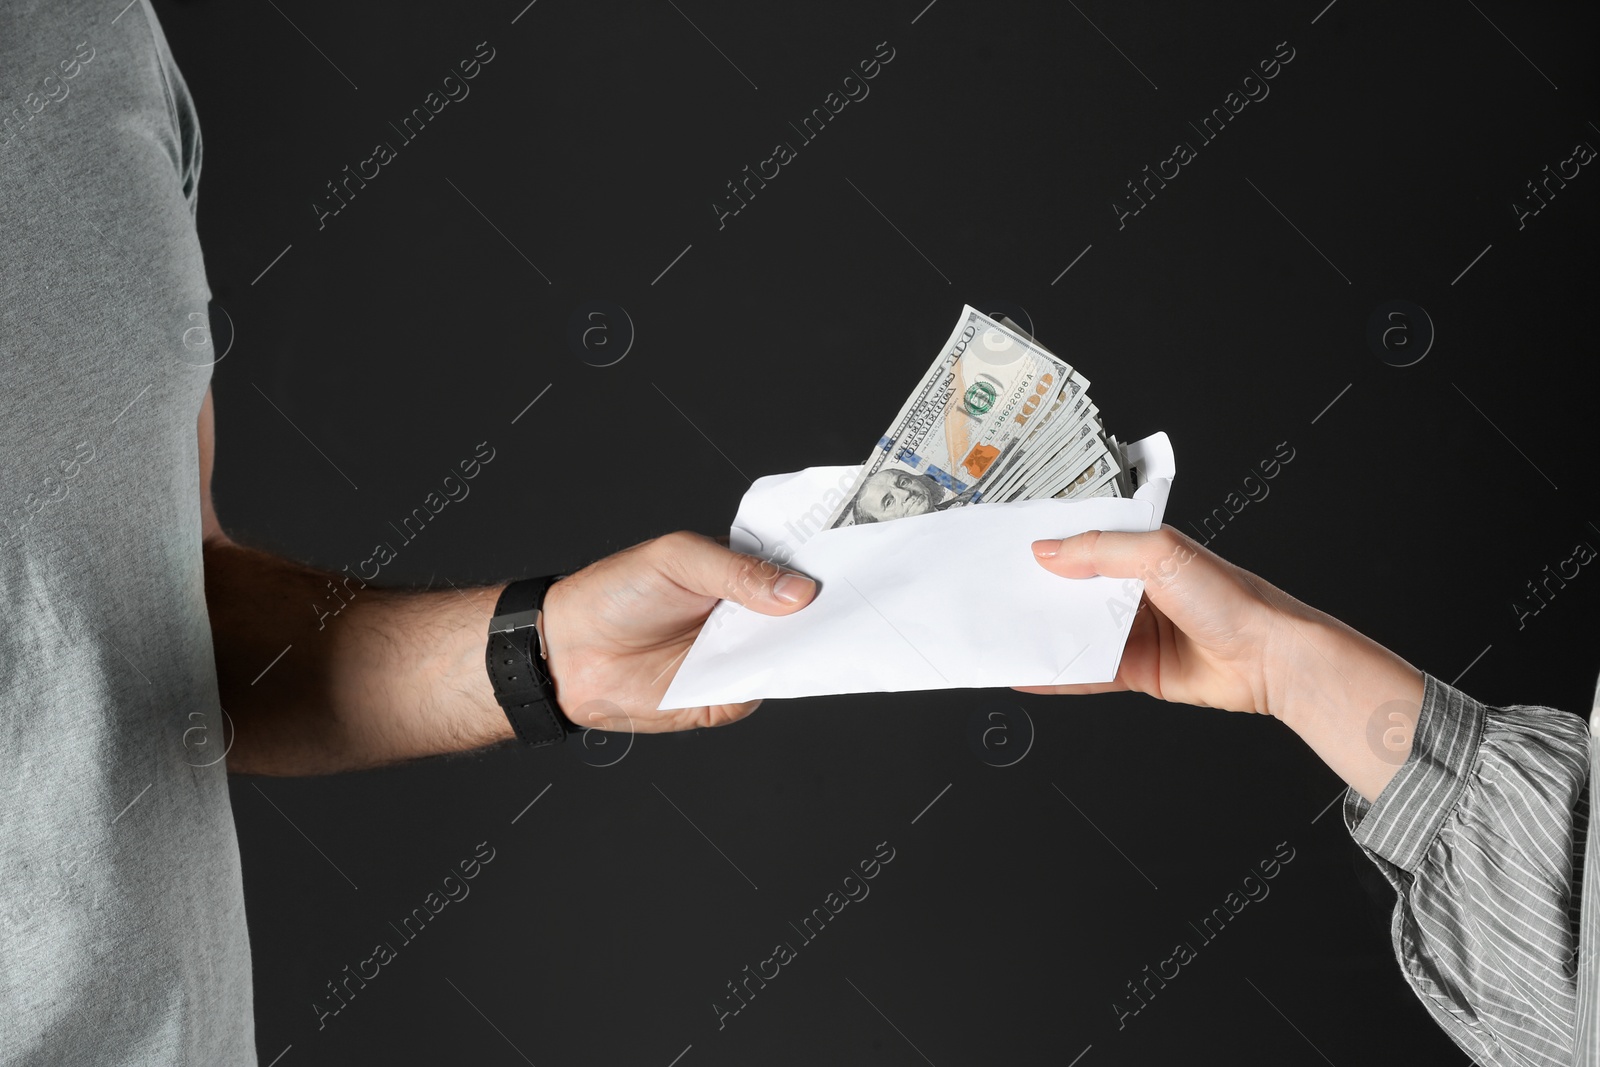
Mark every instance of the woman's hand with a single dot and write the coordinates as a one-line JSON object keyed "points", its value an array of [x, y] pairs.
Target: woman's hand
{"points": [[1213, 634], [1203, 627]]}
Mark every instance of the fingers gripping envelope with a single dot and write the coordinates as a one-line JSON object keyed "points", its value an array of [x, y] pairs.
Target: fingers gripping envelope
{"points": [[942, 600]]}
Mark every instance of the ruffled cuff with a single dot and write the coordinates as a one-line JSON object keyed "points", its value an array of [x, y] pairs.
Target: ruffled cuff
{"points": [[1407, 816]]}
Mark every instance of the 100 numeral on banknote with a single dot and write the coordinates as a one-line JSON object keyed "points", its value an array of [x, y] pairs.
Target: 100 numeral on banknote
{"points": [[982, 397]]}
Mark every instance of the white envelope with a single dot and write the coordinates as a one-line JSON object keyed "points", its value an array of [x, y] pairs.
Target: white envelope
{"points": [[946, 600]]}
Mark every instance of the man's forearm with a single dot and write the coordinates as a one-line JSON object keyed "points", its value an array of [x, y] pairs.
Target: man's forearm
{"points": [[394, 675]]}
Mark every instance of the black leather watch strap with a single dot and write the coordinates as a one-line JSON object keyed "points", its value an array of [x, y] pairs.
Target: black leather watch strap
{"points": [[521, 684]]}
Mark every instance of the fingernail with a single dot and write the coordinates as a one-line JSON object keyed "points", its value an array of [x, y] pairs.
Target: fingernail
{"points": [[1046, 549], [793, 588]]}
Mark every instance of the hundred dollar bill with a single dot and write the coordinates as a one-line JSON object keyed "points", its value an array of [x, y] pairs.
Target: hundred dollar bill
{"points": [[1102, 472], [1127, 478], [1079, 431], [1048, 426], [1077, 441], [978, 400], [1109, 489], [1071, 407], [1061, 476]]}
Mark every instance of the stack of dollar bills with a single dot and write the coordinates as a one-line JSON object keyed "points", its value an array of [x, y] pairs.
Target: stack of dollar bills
{"points": [[997, 417]]}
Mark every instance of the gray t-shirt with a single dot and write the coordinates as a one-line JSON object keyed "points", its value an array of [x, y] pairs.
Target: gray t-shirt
{"points": [[122, 927]]}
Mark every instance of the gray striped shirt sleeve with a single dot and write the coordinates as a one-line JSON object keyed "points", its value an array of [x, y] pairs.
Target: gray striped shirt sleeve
{"points": [[1477, 834]]}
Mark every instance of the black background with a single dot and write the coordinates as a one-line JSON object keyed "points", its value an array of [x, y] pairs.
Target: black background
{"points": [[408, 329]]}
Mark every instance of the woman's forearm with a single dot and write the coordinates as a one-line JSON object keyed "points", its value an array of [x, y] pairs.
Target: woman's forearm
{"points": [[1352, 700]]}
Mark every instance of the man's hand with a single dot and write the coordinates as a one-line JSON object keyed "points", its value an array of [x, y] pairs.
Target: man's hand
{"points": [[616, 631], [1213, 634], [370, 676]]}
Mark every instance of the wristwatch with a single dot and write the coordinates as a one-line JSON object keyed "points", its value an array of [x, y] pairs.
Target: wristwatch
{"points": [[522, 685]]}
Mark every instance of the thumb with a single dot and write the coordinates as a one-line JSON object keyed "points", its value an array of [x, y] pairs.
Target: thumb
{"points": [[1157, 553], [1186, 580], [703, 566]]}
